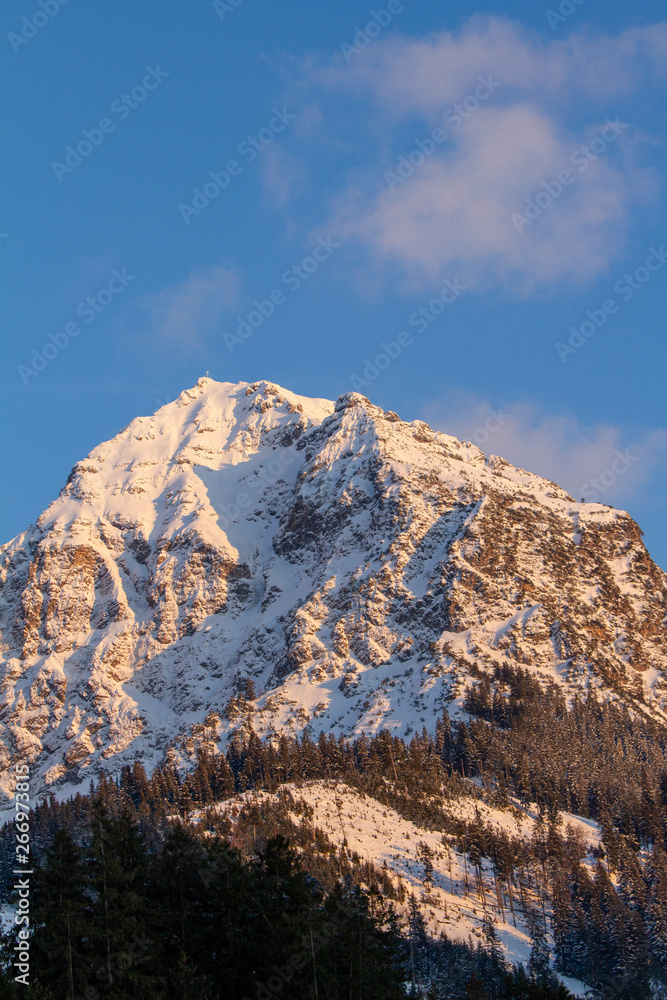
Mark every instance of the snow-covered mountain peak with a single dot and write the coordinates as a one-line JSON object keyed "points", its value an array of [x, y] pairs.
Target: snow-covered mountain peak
{"points": [[213, 425], [284, 562]]}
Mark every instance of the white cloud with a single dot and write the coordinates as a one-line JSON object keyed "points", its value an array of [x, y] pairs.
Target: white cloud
{"points": [[408, 75], [185, 312], [583, 459], [460, 215], [452, 216]]}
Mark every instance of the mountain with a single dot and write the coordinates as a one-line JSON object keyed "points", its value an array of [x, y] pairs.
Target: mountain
{"points": [[250, 556]]}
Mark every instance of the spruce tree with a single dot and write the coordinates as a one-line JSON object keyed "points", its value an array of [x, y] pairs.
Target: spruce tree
{"points": [[282, 897], [120, 936], [59, 902]]}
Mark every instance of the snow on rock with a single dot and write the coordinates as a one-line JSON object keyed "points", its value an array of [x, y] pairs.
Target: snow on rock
{"points": [[453, 902], [288, 562]]}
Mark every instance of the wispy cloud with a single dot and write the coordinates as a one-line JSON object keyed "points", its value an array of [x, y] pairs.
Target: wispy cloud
{"points": [[456, 212], [281, 175], [185, 313], [407, 75], [601, 462]]}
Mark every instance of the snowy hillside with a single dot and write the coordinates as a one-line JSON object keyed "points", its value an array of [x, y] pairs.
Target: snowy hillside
{"points": [[287, 562], [455, 899]]}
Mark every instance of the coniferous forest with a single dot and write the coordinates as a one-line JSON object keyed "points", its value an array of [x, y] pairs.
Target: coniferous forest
{"points": [[133, 898]]}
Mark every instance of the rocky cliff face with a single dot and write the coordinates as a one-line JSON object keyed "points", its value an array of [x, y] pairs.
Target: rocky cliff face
{"points": [[246, 555]]}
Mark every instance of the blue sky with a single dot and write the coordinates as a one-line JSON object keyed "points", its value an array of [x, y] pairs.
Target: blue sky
{"points": [[472, 197]]}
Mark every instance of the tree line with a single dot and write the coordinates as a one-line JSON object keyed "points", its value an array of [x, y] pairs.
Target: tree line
{"points": [[521, 744]]}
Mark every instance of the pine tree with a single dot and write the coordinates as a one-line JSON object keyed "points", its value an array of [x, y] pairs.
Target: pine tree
{"points": [[492, 943], [281, 898], [119, 932], [175, 899], [362, 954], [425, 855], [58, 906], [538, 964]]}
